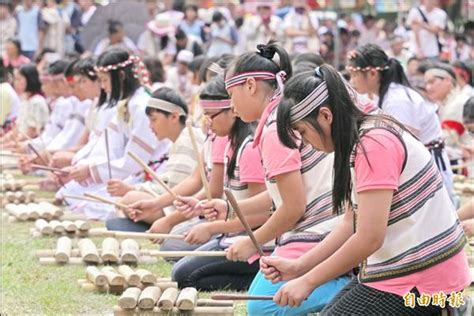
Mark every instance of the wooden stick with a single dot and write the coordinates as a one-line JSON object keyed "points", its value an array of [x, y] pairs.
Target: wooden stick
{"points": [[120, 234], [6, 154], [43, 161], [82, 198], [152, 173], [106, 134], [46, 168], [241, 297], [214, 303], [242, 219], [107, 201], [157, 253], [200, 161]]}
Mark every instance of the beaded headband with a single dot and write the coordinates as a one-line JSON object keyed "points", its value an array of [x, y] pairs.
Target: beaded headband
{"points": [[165, 106], [215, 104], [353, 54], [139, 70]]}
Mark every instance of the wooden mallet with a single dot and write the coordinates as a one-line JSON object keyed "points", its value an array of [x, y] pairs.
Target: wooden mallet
{"points": [[46, 168], [241, 297], [44, 161], [248, 229], [202, 172], [107, 201], [152, 173]]}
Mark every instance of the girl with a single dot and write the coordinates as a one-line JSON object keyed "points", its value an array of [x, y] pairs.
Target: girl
{"points": [[244, 176], [399, 224], [127, 131], [34, 112], [298, 180], [373, 72], [12, 56]]}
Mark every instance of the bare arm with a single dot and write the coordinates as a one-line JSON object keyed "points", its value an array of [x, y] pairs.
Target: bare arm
{"points": [[466, 211]]}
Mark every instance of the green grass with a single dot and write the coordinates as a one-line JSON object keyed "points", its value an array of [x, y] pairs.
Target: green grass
{"points": [[29, 288]]}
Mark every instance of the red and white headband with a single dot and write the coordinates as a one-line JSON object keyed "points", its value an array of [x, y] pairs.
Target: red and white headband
{"points": [[241, 78], [215, 104]]}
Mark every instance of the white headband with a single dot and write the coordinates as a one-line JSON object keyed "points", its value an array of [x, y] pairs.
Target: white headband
{"points": [[165, 106], [438, 72]]}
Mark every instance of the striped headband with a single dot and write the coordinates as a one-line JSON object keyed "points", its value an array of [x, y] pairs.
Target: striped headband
{"points": [[315, 99], [215, 68], [215, 104], [165, 106], [257, 75]]}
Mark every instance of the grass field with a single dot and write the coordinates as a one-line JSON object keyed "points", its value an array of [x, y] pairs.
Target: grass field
{"points": [[29, 288]]}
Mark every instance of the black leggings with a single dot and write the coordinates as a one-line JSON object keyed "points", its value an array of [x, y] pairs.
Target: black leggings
{"points": [[213, 273], [358, 299]]}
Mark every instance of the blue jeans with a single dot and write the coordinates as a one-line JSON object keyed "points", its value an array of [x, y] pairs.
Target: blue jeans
{"points": [[315, 302]]}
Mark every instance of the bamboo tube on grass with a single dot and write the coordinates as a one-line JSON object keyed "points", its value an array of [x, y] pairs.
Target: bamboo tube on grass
{"points": [[187, 299], [69, 226], [146, 276], [112, 276], [94, 275], [149, 297], [43, 227], [130, 251], [88, 251], [132, 278], [63, 250], [110, 250], [57, 227], [129, 298], [168, 299], [82, 225]]}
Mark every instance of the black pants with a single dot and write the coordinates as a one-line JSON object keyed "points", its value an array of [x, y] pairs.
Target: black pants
{"points": [[358, 299], [213, 273], [127, 225]]}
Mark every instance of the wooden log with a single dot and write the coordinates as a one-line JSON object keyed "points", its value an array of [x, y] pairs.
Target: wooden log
{"points": [[221, 311], [69, 226], [149, 297], [187, 299], [120, 234], [88, 251], [82, 225], [98, 198], [30, 196], [130, 251], [10, 196], [20, 196], [213, 303], [95, 276], [132, 278], [157, 253], [129, 298], [57, 226], [112, 276], [146, 276], [168, 299], [200, 161], [43, 227], [110, 250], [63, 250], [164, 285]]}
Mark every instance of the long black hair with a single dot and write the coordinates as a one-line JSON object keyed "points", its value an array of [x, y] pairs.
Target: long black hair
{"points": [[58, 67], [263, 60], [390, 69], [169, 95], [33, 83], [123, 82], [215, 90], [347, 119], [85, 67]]}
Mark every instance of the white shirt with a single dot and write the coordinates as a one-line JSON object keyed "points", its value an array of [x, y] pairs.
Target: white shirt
{"points": [[428, 43], [301, 44], [87, 15], [415, 112]]}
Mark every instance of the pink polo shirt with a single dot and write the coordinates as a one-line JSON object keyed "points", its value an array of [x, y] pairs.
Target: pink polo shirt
{"points": [[381, 169]]}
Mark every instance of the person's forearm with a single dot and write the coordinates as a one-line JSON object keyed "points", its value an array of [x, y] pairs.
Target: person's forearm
{"points": [[328, 246], [429, 28], [466, 211], [188, 187], [281, 221], [175, 218], [351, 254], [258, 204], [234, 225]]}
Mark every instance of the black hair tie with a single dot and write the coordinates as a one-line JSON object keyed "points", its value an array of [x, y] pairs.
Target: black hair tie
{"points": [[266, 51]]}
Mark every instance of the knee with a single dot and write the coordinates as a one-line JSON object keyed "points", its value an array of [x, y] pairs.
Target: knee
{"points": [[261, 308], [113, 224]]}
